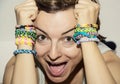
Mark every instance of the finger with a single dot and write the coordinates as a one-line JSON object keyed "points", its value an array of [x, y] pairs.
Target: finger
{"points": [[87, 3], [24, 4], [81, 6]]}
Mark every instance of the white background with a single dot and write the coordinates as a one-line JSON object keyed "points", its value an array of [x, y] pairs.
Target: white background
{"points": [[110, 27]]}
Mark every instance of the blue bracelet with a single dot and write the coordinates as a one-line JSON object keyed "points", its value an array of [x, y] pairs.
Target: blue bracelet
{"points": [[22, 51]]}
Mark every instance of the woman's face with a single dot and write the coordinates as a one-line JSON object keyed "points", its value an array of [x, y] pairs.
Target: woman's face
{"points": [[57, 52]]}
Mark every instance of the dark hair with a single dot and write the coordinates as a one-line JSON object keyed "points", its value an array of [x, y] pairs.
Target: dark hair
{"points": [[56, 5]]}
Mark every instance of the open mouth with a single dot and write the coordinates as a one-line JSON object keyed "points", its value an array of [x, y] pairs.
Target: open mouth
{"points": [[56, 69]]}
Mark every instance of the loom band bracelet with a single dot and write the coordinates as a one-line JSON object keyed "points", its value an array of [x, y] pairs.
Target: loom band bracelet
{"points": [[23, 26], [93, 33], [74, 39], [85, 30], [24, 41], [88, 25], [23, 30], [27, 37], [24, 51], [76, 34], [25, 33], [87, 40], [80, 33], [81, 36], [27, 28], [89, 34], [31, 37]]}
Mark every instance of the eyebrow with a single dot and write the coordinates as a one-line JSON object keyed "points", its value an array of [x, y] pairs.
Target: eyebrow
{"points": [[61, 34], [68, 31], [41, 30]]}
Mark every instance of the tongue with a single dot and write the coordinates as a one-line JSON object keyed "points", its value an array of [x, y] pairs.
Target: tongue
{"points": [[57, 70]]}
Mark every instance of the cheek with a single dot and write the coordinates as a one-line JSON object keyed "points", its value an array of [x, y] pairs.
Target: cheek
{"points": [[73, 52], [41, 50]]}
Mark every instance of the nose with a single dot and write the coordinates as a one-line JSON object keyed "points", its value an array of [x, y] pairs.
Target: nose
{"points": [[54, 52]]}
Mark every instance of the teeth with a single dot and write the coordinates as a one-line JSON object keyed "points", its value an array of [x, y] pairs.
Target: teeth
{"points": [[55, 64]]}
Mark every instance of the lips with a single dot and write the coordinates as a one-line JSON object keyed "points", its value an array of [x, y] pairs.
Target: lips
{"points": [[56, 69]]}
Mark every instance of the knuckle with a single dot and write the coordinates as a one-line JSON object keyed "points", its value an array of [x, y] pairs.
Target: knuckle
{"points": [[18, 10], [91, 8], [36, 8], [97, 6], [16, 7], [77, 6]]}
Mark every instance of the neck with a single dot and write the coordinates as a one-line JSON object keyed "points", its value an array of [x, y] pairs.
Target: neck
{"points": [[78, 79]]}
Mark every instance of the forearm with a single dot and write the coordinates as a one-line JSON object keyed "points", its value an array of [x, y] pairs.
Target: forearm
{"points": [[24, 71], [96, 69]]}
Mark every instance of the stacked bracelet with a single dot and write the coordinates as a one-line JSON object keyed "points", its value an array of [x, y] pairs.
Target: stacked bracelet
{"points": [[24, 26], [88, 25], [22, 32], [24, 51], [25, 34], [24, 40], [85, 33]]}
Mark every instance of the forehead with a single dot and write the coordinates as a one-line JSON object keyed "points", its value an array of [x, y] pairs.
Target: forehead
{"points": [[59, 21]]}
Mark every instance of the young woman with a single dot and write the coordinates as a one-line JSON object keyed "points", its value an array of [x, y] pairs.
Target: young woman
{"points": [[61, 57]]}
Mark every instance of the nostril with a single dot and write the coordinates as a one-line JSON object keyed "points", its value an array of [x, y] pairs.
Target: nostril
{"points": [[54, 57]]}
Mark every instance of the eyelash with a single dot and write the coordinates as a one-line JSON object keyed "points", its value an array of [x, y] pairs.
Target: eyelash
{"points": [[68, 38], [42, 37]]}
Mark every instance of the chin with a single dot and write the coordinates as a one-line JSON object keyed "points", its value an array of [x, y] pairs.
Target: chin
{"points": [[58, 80]]}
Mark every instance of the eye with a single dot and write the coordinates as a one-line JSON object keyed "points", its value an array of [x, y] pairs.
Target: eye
{"points": [[41, 37], [68, 39]]}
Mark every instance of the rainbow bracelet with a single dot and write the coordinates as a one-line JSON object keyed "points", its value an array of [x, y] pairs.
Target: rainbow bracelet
{"points": [[85, 33]]}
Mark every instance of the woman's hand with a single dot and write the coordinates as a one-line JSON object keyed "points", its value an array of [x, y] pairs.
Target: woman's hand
{"points": [[26, 12], [86, 11]]}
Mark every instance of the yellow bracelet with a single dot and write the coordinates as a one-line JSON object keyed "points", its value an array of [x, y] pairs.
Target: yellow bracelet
{"points": [[88, 25], [24, 41]]}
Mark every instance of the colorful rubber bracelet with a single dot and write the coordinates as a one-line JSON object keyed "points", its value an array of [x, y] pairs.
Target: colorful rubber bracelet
{"points": [[24, 51]]}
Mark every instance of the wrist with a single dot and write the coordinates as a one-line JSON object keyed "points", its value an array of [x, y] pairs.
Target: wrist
{"points": [[24, 47], [25, 36], [83, 21]]}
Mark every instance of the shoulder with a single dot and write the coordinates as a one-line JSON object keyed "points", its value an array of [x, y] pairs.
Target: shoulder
{"points": [[11, 62], [113, 63], [110, 56], [9, 70]]}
